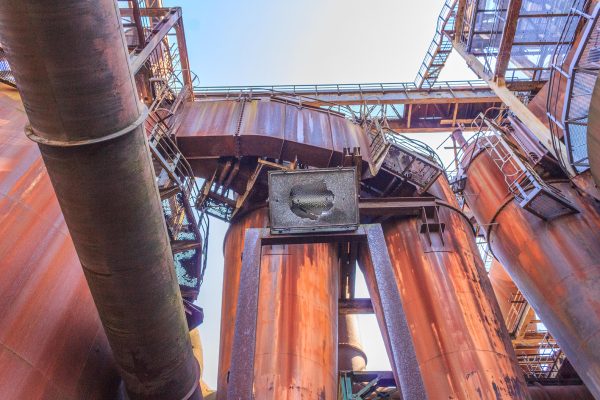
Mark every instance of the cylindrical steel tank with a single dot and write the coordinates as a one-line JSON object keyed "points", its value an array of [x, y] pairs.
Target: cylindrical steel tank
{"points": [[503, 286], [555, 264], [351, 356], [296, 348], [52, 345], [461, 344]]}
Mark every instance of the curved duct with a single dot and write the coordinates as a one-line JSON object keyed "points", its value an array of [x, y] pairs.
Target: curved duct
{"points": [[72, 70]]}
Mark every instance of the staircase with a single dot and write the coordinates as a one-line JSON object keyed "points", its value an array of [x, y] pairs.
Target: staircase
{"points": [[440, 48], [187, 226]]}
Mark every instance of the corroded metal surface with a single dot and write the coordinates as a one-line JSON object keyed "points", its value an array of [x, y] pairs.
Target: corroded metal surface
{"points": [[233, 246], [461, 343], [296, 348], [391, 315], [267, 129], [52, 345], [288, 305], [351, 356], [503, 286], [555, 264], [79, 94], [241, 376]]}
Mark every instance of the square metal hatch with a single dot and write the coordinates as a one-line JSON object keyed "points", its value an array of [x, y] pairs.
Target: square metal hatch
{"points": [[313, 200]]}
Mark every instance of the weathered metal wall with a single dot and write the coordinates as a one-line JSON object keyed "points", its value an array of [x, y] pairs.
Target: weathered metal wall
{"points": [[462, 346], [52, 345], [265, 129], [555, 264], [296, 349]]}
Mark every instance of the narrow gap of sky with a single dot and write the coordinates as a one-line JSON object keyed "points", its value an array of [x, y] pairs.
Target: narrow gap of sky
{"points": [[270, 42]]}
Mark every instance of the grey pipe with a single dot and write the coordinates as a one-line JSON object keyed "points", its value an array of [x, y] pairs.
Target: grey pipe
{"points": [[72, 70]]}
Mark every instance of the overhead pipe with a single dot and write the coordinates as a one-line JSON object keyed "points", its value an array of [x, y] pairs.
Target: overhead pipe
{"points": [[72, 70]]}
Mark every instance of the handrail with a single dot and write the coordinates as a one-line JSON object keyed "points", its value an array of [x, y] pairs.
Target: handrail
{"points": [[440, 47], [334, 88], [571, 120]]}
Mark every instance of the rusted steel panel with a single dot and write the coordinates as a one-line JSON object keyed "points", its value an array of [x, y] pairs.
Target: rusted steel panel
{"points": [[296, 349], [554, 263], [266, 128], [296, 327], [52, 345], [262, 129], [504, 287], [308, 136], [462, 346], [208, 129]]}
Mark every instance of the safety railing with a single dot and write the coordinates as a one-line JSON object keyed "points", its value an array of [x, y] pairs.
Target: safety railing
{"points": [[323, 89], [440, 47], [180, 193], [528, 188], [571, 86], [545, 363]]}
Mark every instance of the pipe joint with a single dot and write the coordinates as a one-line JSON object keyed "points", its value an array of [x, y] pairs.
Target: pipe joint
{"points": [[40, 139]]}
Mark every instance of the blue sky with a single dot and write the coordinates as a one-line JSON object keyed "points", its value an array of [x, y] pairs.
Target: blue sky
{"points": [[260, 42]]}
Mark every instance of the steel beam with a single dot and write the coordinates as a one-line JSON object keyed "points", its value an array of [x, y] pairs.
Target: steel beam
{"points": [[170, 20], [508, 37], [529, 119], [356, 306]]}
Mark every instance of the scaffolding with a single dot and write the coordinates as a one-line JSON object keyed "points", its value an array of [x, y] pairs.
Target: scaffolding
{"points": [[538, 28], [571, 86]]}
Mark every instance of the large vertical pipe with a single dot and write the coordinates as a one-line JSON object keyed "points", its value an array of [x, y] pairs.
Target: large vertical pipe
{"points": [[351, 356], [51, 341], [554, 263], [72, 70], [462, 346], [503, 286], [296, 345]]}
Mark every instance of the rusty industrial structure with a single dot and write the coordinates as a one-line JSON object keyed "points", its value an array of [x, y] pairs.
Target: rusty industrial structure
{"points": [[483, 274]]}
